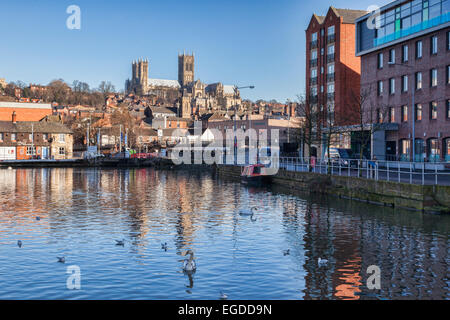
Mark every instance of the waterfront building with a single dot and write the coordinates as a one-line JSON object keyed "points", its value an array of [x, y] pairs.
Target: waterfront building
{"points": [[406, 58], [332, 69], [34, 139]]}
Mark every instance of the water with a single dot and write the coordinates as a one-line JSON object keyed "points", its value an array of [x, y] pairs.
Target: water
{"points": [[83, 212]]}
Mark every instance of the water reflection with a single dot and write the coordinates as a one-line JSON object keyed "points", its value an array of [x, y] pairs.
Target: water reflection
{"points": [[83, 212]]}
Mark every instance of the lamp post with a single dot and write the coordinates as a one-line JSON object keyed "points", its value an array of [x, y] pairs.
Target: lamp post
{"points": [[236, 89], [413, 108]]}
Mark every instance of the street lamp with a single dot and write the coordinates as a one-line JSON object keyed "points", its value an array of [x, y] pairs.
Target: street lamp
{"points": [[413, 107], [236, 88]]}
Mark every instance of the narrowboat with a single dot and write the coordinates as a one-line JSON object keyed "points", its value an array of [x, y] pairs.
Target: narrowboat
{"points": [[256, 174]]}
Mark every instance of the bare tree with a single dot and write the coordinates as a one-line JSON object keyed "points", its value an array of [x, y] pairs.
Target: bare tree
{"points": [[371, 117]]}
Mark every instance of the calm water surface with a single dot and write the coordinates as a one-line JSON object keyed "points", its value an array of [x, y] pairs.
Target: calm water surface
{"points": [[83, 212]]}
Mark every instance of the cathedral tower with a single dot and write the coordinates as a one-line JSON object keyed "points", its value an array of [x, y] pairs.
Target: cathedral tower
{"points": [[185, 69], [139, 80]]}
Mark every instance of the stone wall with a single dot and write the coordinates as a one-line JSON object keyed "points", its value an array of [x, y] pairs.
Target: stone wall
{"points": [[386, 193]]}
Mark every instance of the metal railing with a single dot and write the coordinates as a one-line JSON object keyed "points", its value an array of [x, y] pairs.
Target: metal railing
{"points": [[431, 173]]}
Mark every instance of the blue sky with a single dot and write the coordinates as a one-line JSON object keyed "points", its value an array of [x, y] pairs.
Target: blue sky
{"points": [[241, 42]]}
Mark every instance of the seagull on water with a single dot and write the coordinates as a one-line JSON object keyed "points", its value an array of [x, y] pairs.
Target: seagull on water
{"points": [[164, 246], [223, 296], [286, 252], [61, 259], [19, 243], [120, 242]]}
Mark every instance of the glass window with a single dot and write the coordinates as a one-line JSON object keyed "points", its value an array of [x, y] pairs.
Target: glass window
{"points": [[392, 56], [445, 6], [314, 54], [448, 109], [62, 151], [433, 77], [404, 83], [331, 49], [434, 44], [391, 85], [419, 80], [380, 60], [406, 23], [13, 137], [419, 49], [435, 11], [1, 136], [390, 28], [390, 17], [448, 74], [420, 150], [313, 73], [418, 112], [446, 146], [416, 18], [380, 88], [330, 30], [330, 88], [404, 113], [405, 9], [314, 36], [331, 68], [405, 149], [405, 53], [62, 138], [434, 152], [391, 114], [448, 36], [433, 110]]}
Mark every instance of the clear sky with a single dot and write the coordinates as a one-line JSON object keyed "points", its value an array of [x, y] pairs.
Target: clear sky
{"points": [[243, 42]]}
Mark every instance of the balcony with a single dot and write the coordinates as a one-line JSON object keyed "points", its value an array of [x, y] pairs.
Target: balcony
{"points": [[330, 57], [313, 63], [331, 38], [313, 81], [313, 44], [330, 77]]}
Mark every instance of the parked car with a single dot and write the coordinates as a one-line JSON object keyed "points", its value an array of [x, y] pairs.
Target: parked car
{"points": [[342, 157]]}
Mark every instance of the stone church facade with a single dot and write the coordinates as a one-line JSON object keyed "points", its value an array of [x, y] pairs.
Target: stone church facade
{"points": [[193, 97]]}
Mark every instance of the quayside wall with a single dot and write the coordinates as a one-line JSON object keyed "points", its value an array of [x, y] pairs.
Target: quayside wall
{"points": [[429, 198]]}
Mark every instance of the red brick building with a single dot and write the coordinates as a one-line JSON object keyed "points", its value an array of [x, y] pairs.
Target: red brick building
{"points": [[332, 69], [409, 53]]}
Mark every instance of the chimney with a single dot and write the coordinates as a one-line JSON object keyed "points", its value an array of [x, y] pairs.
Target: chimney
{"points": [[14, 117]]}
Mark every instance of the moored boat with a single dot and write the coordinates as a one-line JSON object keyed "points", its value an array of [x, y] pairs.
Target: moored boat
{"points": [[256, 174]]}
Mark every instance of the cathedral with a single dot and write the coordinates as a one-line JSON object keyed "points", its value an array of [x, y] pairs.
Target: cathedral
{"points": [[192, 97]]}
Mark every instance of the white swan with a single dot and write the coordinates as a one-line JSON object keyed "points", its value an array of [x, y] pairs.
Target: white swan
{"points": [[189, 264], [248, 213], [322, 262]]}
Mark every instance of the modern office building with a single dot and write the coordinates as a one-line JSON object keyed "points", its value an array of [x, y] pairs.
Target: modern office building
{"points": [[405, 65]]}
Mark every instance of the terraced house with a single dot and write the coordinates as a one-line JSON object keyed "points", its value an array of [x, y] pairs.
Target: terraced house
{"points": [[34, 140], [405, 60]]}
